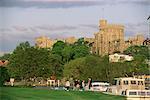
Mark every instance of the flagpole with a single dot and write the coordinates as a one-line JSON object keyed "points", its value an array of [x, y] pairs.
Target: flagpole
{"points": [[148, 38], [148, 26]]}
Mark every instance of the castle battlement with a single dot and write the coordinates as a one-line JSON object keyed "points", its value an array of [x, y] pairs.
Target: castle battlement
{"points": [[110, 39]]}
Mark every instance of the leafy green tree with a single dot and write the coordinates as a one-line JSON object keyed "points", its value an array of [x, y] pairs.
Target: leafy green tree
{"points": [[140, 54], [5, 57], [56, 65], [74, 68], [67, 53], [99, 68], [58, 47], [80, 41], [93, 67], [80, 51], [17, 60], [138, 50], [27, 61], [4, 75], [85, 67]]}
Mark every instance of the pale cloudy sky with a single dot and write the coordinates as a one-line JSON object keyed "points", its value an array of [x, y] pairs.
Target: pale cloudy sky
{"points": [[24, 20]]}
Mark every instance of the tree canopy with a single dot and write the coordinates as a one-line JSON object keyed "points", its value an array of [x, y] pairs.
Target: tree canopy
{"points": [[27, 61], [141, 51], [72, 60]]}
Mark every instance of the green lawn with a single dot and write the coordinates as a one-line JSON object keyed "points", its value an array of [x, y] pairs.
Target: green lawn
{"points": [[12, 93]]}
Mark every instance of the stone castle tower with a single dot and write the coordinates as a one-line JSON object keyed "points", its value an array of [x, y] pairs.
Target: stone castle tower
{"points": [[109, 39]]}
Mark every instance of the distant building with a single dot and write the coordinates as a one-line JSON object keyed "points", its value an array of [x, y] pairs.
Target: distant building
{"points": [[120, 57], [146, 42], [44, 42], [110, 39], [70, 40], [3, 63], [89, 40], [136, 40]]}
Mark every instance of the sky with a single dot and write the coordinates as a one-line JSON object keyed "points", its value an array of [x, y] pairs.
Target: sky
{"points": [[24, 20]]}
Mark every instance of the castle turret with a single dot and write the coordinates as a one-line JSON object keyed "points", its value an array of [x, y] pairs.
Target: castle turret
{"points": [[102, 23]]}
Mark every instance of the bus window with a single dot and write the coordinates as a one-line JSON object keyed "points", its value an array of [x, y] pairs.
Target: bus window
{"points": [[125, 82], [140, 82], [132, 93], [141, 93], [148, 93], [133, 82]]}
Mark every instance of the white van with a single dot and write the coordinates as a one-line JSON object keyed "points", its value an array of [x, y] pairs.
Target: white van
{"points": [[99, 86]]}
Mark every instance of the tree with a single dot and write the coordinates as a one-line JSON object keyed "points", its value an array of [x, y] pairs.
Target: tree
{"points": [[5, 57], [67, 53], [17, 60], [93, 67], [74, 68], [85, 67], [138, 50], [56, 65], [80, 41], [27, 61], [80, 51], [99, 68], [140, 54], [58, 47], [4, 76]]}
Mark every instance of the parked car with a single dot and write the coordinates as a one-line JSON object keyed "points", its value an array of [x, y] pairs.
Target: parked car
{"points": [[99, 86]]}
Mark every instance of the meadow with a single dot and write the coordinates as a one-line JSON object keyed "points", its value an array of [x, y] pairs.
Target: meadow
{"points": [[14, 93]]}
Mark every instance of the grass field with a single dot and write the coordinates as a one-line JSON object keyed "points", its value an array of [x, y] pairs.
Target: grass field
{"points": [[12, 93]]}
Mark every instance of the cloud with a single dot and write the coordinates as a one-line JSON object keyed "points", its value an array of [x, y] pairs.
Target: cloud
{"points": [[140, 2], [47, 3], [20, 28], [28, 33], [134, 28], [36, 29], [94, 26], [5, 30], [58, 0], [11, 39], [66, 3], [41, 28], [11, 36], [55, 28]]}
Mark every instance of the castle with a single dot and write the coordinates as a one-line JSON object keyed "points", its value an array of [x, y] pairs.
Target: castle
{"points": [[108, 40], [45, 42]]}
